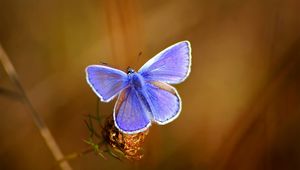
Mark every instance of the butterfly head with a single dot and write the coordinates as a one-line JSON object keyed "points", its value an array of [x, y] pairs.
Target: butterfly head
{"points": [[130, 70]]}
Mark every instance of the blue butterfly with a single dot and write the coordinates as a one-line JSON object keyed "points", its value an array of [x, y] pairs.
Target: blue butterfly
{"points": [[144, 96]]}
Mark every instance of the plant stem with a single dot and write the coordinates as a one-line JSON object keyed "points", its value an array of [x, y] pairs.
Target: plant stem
{"points": [[39, 122], [76, 155]]}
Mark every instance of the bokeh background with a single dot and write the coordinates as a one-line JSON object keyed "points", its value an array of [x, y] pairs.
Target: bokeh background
{"points": [[241, 102]]}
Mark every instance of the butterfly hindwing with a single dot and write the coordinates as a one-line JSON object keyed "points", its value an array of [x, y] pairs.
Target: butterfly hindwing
{"points": [[130, 112], [164, 101], [172, 65], [105, 81]]}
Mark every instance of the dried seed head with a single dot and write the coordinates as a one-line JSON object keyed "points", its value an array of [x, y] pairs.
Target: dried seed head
{"points": [[129, 144]]}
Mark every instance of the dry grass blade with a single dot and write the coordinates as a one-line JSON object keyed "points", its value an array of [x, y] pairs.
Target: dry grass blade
{"points": [[39, 122]]}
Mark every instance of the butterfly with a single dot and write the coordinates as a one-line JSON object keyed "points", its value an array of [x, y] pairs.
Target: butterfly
{"points": [[144, 96]]}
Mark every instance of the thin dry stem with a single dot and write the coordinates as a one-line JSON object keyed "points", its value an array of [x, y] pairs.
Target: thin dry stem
{"points": [[39, 122]]}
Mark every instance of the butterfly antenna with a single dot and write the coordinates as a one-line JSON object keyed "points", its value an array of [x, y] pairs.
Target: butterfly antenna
{"points": [[103, 63], [138, 58]]}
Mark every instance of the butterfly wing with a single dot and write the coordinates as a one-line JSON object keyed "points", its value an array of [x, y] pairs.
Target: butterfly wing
{"points": [[164, 101], [105, 81], [130, 112], [172, 65]]}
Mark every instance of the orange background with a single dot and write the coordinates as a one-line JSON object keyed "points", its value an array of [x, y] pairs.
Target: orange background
{"points": [[241, 102]]}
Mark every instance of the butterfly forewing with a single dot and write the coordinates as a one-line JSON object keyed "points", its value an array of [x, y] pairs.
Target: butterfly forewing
{"points": [[105, 81], [172, 65]]}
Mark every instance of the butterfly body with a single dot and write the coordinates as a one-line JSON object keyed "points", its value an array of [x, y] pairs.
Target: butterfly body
{"points": [[138, 84], [144, 96], [136, 81]]}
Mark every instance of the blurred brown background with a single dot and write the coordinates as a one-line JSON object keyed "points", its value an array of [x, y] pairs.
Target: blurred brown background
{"points": [[241, 103]]}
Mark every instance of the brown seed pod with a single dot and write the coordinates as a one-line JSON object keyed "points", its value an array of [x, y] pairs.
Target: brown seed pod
{"points": [[129, 144]]}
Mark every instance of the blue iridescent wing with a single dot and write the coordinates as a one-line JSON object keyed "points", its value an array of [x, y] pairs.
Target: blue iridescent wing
{"points": [[105, 81], [164, 101], [172, 65], [130, 113]]}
